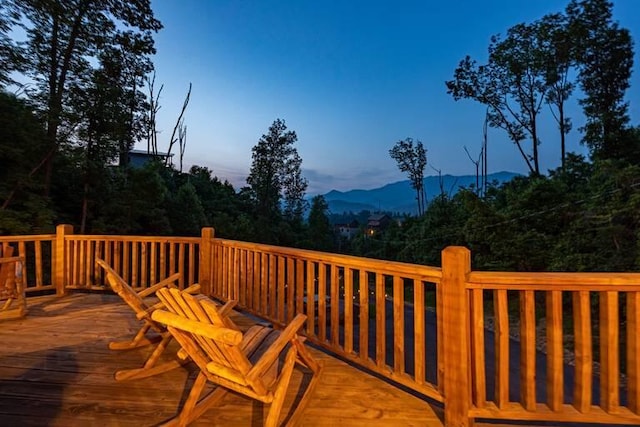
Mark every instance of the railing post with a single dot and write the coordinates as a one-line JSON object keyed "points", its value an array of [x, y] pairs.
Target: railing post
{"points": [[61, 258], [205, 269], [456, 265]]}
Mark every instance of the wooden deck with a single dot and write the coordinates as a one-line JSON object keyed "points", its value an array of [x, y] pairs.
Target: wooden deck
{"points": [[56, 370]]}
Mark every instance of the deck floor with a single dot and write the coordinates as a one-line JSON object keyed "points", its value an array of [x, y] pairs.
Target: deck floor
{"points": [[56, 370]]}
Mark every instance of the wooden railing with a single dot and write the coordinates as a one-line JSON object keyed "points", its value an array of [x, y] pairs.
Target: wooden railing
{"points": [[38, 255], [450, 333], [141, 261], [368, 311], [599, 311], [63, 261], [274, 283]]}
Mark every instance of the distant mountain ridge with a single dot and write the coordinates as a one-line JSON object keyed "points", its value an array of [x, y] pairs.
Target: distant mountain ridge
{"points": [[399, 196]]}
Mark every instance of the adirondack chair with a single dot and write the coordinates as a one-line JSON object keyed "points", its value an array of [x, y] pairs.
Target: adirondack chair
{"points": [[143, 311], [13, 303], [247, 363]]}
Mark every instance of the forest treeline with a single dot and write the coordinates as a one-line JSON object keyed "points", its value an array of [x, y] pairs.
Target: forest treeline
{"points": [[77, 93]]}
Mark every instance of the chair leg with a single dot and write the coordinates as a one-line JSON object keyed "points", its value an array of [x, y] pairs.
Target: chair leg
{"points": [[192, 400], [138, 341], [281, 389], [137, 373], [305, 357], [208, 401], [157, 352], [302, 403], [150, 367], [193, 409]]}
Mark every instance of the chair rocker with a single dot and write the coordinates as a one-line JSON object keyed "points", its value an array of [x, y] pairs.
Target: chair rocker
{"points": [[247, 363], [143, 311], [13, 303]]}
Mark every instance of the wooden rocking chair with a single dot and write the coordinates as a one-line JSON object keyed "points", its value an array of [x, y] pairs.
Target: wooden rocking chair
{"points": [[13, 303], [244, 363], [143, 311]]}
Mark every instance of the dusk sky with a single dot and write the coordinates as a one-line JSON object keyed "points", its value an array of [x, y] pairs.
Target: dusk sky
{"points": [[350, 77]]}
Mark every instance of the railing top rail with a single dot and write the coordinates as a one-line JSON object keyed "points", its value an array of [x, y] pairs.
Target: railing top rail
{"points": [[561, 281], [382, 266], [28, 238], [77, 237]]}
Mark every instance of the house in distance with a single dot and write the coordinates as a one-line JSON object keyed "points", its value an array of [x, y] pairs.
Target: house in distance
{"points": [[377, 222], [348, 230], [139, 158]]}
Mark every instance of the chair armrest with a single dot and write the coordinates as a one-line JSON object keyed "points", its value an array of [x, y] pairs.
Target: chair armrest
{"points": [[217, 333], [276, 348], [162, 284]]}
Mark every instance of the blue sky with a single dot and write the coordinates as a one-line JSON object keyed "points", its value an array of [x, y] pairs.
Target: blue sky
{"points": [[350, 77]]}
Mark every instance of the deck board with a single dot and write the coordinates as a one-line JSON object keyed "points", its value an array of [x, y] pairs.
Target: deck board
{"points": [[56, 370]]}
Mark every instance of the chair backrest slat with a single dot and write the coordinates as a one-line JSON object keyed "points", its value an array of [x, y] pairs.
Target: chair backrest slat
{"points": [[190, 309], [225, 354], [200, 309]]}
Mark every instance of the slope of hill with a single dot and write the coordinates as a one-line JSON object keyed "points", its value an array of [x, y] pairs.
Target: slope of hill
{"points": [[399, 196]]}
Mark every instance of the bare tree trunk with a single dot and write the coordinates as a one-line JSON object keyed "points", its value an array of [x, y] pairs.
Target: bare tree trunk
{"points": [[85, 208], [563, 132], [485, 140], [440, 181], [534, 137], [182, 142], [154, 106], [476, 163], [179, 123]]}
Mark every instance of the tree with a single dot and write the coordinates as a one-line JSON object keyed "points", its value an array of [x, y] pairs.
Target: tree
{"points": [[179, 133], [513, 85], [186, 213], [9, 58], [559, 51], [320, 230], [294, 188], [439, 227], [412, 160], [604, 54], [222, 206], [109, 111], [275, 175], [484, 84], [23, 210], [62, 38], [137, 201], [521, 55]]}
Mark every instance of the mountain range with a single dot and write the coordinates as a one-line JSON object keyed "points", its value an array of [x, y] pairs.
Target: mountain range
{"points": [[400, 196]]}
